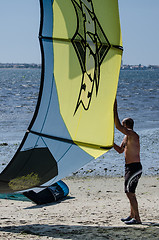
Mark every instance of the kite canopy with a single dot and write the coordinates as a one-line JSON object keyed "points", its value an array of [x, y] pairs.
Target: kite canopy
{"points": [[73, 123]]}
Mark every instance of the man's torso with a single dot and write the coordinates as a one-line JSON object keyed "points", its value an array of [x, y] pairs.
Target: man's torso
{"points": [[132, 148]]}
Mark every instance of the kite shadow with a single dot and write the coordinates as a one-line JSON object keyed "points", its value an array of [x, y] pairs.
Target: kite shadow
{"points": [[75, 232]]}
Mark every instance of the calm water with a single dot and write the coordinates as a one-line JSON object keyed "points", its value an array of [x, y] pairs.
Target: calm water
{"points": [[138, 97]]}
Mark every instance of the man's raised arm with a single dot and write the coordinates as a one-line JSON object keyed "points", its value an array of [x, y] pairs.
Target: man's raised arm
{"points": [[118, 125], [116, 118]]}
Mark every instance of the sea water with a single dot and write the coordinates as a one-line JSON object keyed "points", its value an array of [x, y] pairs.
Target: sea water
{"points": [[138, 98]]}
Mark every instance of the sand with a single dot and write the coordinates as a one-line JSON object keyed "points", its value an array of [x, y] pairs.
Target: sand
{"points": [[91, 211]]}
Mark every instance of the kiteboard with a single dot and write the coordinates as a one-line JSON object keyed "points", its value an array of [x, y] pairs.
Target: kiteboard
{"points": [[56, 192], [53, 193]]}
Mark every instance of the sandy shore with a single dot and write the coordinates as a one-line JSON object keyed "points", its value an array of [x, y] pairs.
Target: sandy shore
{"points": [[91, 211]]}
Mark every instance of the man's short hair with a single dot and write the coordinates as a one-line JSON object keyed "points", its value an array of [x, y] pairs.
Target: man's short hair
{"points": [[129, 122]]}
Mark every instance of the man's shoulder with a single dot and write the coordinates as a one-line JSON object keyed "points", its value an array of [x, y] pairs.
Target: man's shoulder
{"points": [[135, 133], [132, 133]]}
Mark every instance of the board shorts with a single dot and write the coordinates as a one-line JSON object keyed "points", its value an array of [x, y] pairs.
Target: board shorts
{"points": [[133, 172]]}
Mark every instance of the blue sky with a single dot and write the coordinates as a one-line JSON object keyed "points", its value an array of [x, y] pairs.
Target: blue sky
{"points": [[19, 27]]}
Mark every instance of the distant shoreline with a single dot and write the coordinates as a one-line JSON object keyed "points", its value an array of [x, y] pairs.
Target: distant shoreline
{"points": [[34, 65], [139, 67], [19, 65]]}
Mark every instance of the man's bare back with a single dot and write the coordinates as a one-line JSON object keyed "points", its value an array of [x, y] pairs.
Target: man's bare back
{"points": [[131, 148]]}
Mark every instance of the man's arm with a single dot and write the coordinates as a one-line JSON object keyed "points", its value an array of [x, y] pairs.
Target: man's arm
{"points": [[118, 125], [119, 149]]}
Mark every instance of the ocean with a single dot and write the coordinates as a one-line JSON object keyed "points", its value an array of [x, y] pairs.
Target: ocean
{"points": [[138, 98]]}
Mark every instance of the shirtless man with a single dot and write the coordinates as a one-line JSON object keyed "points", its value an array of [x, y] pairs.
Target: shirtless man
{"points": [[133, 168]]}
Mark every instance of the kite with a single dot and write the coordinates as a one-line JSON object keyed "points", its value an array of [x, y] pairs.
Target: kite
{"points": [[73, 123]]}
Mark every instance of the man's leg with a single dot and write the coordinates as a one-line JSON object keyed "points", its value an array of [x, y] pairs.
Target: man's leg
{"points": [[133, 206], [132, 214]]}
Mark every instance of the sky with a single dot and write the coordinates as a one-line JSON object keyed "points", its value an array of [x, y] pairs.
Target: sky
{"points": [[19, 27]]}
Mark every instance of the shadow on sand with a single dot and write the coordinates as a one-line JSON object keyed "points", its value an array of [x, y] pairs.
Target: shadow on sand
{"points": [[74, 232]]}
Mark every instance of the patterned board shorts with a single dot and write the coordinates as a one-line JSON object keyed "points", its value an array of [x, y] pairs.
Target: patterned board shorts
{"points": [[133, 172]]}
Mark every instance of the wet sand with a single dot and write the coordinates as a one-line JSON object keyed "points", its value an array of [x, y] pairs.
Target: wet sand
{"points": [[92, 210]]}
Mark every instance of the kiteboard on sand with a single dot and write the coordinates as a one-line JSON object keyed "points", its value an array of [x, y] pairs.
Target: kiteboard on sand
{"points": [[56, 192]]}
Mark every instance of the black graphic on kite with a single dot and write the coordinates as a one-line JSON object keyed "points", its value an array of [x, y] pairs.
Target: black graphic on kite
{"points": [[91, 46]]}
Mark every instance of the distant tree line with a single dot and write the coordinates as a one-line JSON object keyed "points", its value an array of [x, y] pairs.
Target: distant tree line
{"points": [[19, 65], [138, 67]]}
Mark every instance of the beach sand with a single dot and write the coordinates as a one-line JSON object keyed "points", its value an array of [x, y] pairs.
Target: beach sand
{"points": [[91, 211]]}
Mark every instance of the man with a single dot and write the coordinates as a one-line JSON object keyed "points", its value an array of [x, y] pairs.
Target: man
{"points": [[133, 168]]}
